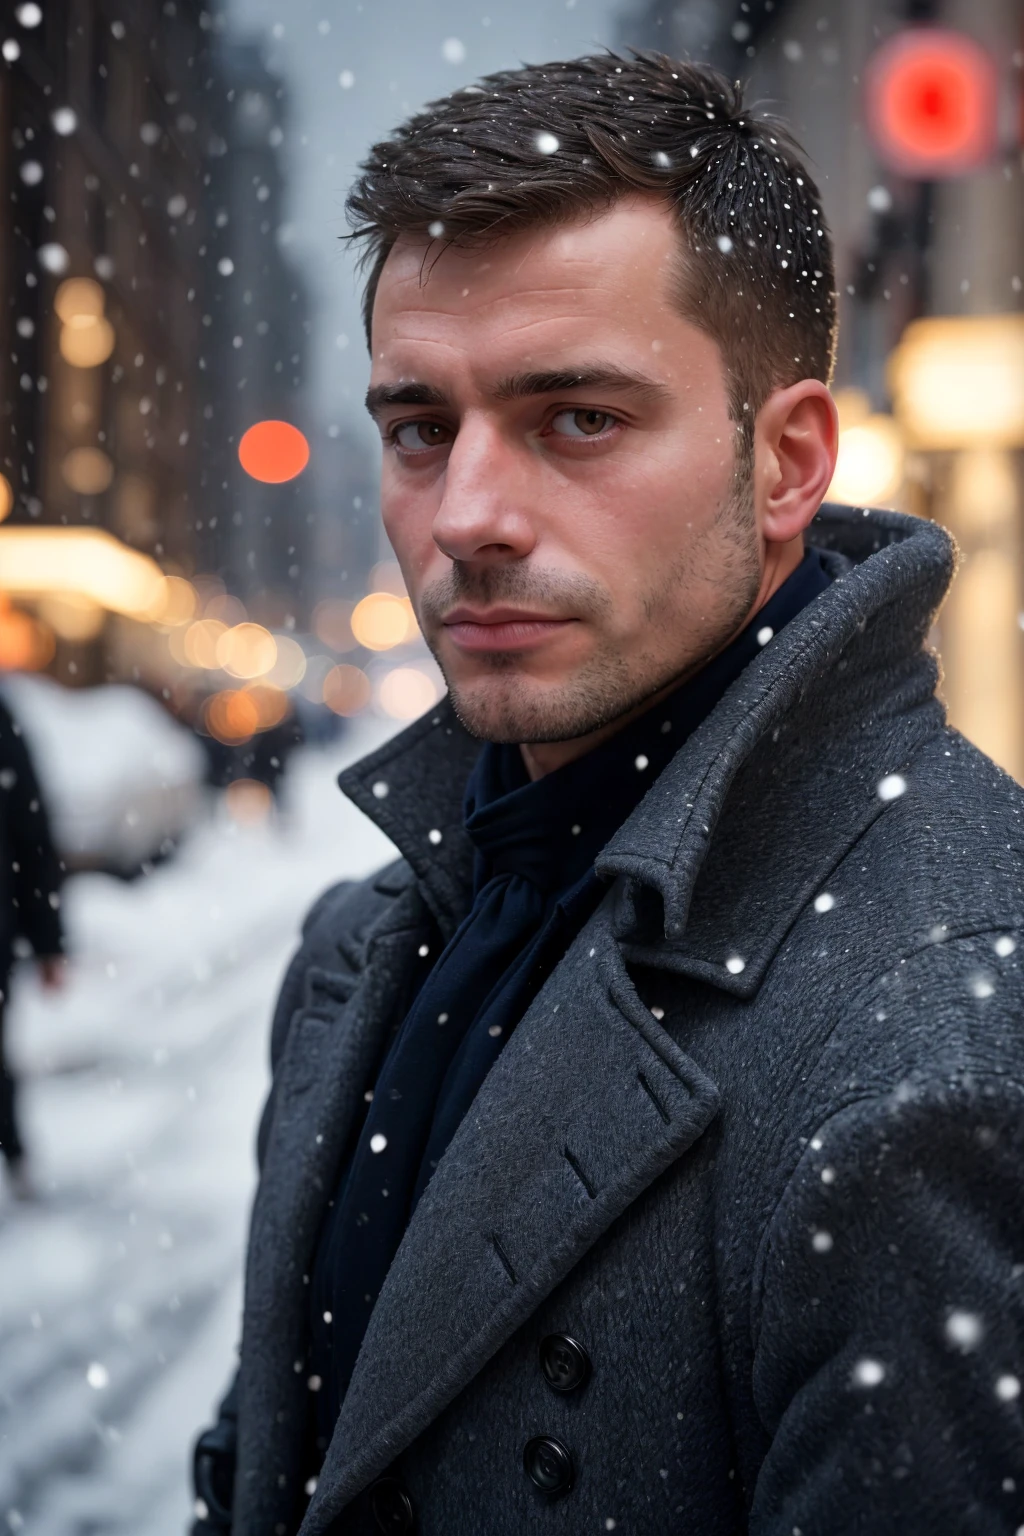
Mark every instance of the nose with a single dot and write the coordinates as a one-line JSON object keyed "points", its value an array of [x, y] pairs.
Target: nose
{"points": [[484, 515]]}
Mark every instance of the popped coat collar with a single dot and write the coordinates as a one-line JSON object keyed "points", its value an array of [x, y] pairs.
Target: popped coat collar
{"points": [[853, 660]]}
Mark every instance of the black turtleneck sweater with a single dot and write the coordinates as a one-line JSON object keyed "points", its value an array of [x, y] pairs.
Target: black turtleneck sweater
{"points": [[534, 887]]}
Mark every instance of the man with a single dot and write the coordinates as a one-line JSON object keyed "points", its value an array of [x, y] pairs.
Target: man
{"points": [[644, 1151]]}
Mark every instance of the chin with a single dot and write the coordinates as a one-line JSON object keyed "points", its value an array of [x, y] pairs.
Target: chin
{"points": [[506, 707]]}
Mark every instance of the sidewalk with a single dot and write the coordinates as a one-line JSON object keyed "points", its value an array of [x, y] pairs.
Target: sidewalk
{"points": [[119, 1308]]}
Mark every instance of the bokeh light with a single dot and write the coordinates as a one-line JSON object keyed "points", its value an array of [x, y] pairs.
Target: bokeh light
{"points": [[25, 644], [290, 667], [957, 381], [199, 645], [78, 296], [246, 650], [381, 620], [346, 689], [273, 451], [87, 340], [180, 602], [87, 471], [932, 101], [407, 692], [6, 498], [231, 716], [272, 705], [869, 469], [72, 615], [228, 609]]}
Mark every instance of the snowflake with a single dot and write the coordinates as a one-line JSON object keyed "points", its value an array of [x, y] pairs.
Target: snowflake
{"points": [[868, 1373], [964, 1329], [892, 786]]}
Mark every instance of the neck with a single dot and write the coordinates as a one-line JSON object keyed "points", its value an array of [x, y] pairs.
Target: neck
{"points": [[543, 757]]}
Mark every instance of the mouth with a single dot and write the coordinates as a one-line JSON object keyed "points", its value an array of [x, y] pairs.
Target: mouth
{"points": [[501, 629]]}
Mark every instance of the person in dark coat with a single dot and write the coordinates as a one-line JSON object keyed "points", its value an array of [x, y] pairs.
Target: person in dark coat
{"points": [[31, 874], [645, 1150]]}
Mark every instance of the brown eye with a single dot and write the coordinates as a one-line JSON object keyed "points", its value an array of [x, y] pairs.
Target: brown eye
{"points": [[417, 435], [582, 423]]}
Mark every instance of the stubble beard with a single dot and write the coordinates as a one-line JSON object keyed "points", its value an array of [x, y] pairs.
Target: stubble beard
{"points": [[506, 706]]}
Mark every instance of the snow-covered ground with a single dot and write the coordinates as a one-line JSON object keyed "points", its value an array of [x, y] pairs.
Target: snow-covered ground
{"points": [[120, 1291]]}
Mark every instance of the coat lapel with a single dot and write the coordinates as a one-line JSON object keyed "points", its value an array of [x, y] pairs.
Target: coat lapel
{"points": [[589, 1102], [328, 1058]]}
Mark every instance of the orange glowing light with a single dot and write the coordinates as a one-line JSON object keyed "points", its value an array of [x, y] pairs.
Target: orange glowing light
{"points": [[273, 451], [381, 620], [231, 716], [271, 704], [932, 97], [25, 644], [346, 689]]}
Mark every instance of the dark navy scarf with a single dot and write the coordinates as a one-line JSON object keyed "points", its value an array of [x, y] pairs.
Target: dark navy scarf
{"points": [[534, 887]]}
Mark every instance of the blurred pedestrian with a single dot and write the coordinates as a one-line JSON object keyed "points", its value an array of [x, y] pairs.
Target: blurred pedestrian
{"points": [[30, 879]]}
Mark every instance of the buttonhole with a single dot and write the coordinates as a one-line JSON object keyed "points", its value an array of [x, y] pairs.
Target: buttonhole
{"points": [[578, 1171], [506, 1262], [659, 1106]]}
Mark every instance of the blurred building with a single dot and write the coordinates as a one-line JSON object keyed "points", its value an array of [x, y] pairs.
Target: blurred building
{"points": [[106, 123], [256, 325], [930, 263], [151, 316]]}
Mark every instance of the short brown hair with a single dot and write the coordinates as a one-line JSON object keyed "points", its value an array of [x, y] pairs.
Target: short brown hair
{"points": [[544, 144]]}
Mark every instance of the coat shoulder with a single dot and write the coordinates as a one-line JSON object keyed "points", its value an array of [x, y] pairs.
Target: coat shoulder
{"points": [[911, 972], [333, 938], [345, 913]]}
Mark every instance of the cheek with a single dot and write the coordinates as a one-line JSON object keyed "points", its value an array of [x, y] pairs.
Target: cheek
{"points": [[650, 509], [408, 522]]}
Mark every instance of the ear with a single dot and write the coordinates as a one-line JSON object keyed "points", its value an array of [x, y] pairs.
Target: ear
{"points": [[796, 439]]}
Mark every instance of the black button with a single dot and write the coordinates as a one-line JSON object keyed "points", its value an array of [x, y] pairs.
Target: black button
{"points": [[548, 1465], [392, 1507], [564, 1362]]}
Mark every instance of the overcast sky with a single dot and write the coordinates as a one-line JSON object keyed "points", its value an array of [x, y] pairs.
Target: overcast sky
{"points": [[352, 71]]}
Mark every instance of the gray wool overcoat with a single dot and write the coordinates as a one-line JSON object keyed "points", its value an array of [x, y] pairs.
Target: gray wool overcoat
{"points": [[757, 1146]]}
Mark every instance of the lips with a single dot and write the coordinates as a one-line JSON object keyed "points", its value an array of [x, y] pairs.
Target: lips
{"points": [[501, 629]]}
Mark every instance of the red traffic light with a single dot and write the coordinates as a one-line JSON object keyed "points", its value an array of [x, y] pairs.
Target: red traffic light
{"points": [[931, 102]]}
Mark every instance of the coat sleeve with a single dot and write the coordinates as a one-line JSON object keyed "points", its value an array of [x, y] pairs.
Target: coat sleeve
{"points": [[889, 1348], [214, 1452]]}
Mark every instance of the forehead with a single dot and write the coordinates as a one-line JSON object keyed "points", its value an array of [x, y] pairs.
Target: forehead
{"points": [[607, 276]]}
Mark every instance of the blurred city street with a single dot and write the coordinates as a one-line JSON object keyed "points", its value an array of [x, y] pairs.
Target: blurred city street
{"points": [[120, 1305]]}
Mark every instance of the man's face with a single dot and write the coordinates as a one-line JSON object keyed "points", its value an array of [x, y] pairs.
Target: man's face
{"points": [[559, 471]]}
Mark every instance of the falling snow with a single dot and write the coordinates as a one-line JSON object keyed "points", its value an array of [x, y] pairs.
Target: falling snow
{"points": [[964, 1329], [868, 1373]]}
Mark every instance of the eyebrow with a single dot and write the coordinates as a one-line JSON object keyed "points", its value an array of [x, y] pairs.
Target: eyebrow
{"points": [[523, 386]]}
